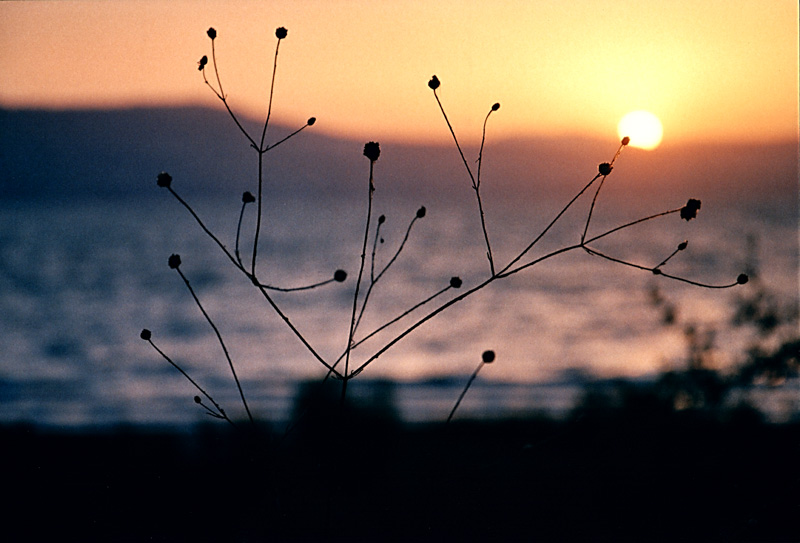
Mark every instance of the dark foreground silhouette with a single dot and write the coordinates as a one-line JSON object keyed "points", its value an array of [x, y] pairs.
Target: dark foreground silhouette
{"points": [[603, 475]]}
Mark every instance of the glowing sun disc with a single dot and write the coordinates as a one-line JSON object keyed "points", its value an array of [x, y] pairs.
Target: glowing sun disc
{"points": [[642, 127]]}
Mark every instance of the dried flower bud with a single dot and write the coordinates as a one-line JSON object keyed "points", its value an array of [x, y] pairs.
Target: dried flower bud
{"points": [[487, 357], [742, 279], [683, 245], [421, 212], [689, 211], [434, 83], [496, 106], [456, 282], [197, 399], [626, 140], [164, 180], [202, 63], [211, 33], [605, 168], [382, 219], [281, 32], [372, 151], [339, 276], [656, 271], [248, 197], [146, 334], [174, 261], [311, 121]]}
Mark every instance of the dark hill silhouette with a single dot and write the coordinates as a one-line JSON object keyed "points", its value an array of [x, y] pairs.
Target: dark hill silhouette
{"points": [[78, 153]]}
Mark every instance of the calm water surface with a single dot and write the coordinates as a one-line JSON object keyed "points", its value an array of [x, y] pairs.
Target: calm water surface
{"points": [[80, 280]]}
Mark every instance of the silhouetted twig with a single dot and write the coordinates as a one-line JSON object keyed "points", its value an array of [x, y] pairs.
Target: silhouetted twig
{"points": [[372, 152], [486, 358], [175, 263], [434, 84], [219, 413]]}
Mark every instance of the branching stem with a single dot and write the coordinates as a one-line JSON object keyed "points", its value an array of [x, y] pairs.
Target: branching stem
{"points": [[475, 182], [221, 342], [358, 282], [220, 411]]}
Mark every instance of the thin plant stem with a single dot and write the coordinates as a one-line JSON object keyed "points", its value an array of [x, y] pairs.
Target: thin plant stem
{"points": [[204, 227], [258, 212], [591, 208], [480, 151], [508, 271], [221, 95], [403, 314], [261, 150], [632, 223], [254, 281], [464, 392], [478, 194], [455, 139], [238, 234], [374, 249], [394, 320], [274, 145], [508, 266], [216, 70], [676, 251], [296, 289], [597, 192], [294, 329], [420, 322], [374, 279], [193, 382], [221, 342], [358, 281], [271, 93], [472, 178], [657, 271]]}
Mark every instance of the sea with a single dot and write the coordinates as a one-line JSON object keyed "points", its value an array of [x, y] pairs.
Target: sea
{"points": [[81, 278]]}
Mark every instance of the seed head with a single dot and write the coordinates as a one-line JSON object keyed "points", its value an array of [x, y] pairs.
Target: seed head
{"points": [[657, 271], [211, 33], [742, 279], [605, 168], [174, 261], [197, 399], [626, 140], [382, 219], [281, 32], [683, 245], [689, 211], [487, 357], [146, 334], [455, 282], [421, 212], [311, 121], [372, 151], [201, 64], [339, 276], [496, 106], [248, 198], [164, 180], [434, 83]]}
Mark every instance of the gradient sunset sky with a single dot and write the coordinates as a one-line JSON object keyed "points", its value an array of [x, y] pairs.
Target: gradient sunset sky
{"points": [[710, 70]]}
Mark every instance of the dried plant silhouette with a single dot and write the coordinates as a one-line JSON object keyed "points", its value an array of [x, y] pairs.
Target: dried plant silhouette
{"points": [[346, 366]]}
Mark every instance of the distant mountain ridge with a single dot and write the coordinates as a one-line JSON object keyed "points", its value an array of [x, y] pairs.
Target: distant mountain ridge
{"points": [[108, 153]]}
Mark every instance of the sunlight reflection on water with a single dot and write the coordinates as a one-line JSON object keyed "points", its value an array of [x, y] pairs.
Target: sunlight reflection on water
{"points": [[80, 281]]}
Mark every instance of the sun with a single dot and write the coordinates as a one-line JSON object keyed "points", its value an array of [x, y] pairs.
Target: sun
{"points": [[643, 128]]}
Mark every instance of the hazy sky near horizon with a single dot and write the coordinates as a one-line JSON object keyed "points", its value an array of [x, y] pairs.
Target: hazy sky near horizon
{"points": [[711, 70]]}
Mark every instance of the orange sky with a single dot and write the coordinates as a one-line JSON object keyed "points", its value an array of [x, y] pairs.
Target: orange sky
{"points": [[711, 70]]}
